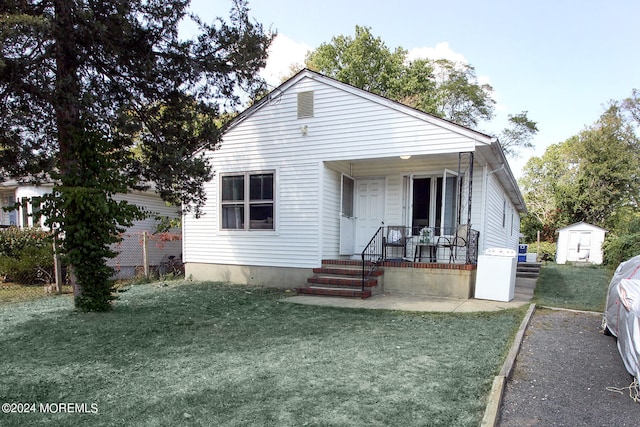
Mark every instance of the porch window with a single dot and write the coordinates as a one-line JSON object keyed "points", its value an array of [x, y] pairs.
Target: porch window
{"points": [[247, 201]]}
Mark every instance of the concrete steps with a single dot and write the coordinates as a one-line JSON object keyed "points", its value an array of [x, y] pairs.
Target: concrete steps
{"points": [[528, 270]]}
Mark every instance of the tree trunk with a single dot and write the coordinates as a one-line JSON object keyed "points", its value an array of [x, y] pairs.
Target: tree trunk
{"points": [[67, 97]]}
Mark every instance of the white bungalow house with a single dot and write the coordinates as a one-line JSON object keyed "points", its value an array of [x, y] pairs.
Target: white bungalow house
{"points": [[130, 252], [320, 174], [580, 242]]}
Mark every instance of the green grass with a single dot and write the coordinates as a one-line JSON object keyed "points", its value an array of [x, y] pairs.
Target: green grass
{"points": [[211, 354], [575, 287], [13, 292]]}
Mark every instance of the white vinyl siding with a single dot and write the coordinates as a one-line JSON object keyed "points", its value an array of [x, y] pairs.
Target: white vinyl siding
{"points": [[351, 133], [497, 232]]}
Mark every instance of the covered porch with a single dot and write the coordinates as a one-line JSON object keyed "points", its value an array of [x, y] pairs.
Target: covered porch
{"points": [[404, 222], [409, 208]]}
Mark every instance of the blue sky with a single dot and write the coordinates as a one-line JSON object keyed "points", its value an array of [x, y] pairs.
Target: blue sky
{"points": [[561, 60]]}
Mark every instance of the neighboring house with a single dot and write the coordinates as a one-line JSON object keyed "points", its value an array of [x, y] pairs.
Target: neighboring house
{"points": [[312, 171], [130, 249], [580, 242]]}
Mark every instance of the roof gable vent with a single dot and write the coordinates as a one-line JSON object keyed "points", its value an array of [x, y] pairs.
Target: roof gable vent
{"points": [[305, 104]]}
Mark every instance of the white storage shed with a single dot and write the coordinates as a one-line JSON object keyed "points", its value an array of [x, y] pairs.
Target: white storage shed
{"points": [[580, 242]]}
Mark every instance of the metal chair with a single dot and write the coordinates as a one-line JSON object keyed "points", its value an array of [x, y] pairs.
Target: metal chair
{"points": [[458, 240], [396, 237]]}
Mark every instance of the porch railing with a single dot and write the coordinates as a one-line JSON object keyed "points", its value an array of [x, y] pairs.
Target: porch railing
{"points": [[372, 255], [404, 243]]}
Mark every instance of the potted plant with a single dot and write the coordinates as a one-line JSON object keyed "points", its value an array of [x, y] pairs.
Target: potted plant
{"points": [[426, 235]]}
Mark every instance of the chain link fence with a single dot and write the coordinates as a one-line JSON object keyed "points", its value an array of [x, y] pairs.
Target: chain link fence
{"points": [[145, 255], [33, 271]]}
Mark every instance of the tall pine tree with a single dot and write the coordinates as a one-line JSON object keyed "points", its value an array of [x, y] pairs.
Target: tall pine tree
{"points": [[104, 97]]}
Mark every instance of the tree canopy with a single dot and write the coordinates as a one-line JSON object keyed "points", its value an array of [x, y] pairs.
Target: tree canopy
{"points": [[440, 87], [106, 97], [593, 176]]}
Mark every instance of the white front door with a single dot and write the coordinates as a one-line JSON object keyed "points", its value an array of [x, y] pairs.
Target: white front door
{"points": [[369, 210]]}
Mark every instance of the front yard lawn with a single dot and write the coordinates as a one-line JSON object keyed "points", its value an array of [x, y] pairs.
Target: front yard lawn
{"points": [[574, 287], [209, 354]]}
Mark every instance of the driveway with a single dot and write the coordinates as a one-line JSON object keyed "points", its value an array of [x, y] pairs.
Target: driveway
{"points": [[564, 376]]}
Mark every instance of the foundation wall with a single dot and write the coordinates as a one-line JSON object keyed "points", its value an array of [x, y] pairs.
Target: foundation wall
{"points": [[274, 277], [449, 281]]}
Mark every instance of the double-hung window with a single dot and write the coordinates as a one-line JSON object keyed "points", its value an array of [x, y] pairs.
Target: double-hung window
{"points": [[247, 201]]}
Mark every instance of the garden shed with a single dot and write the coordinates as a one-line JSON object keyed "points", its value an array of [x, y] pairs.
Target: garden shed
{"points": [[580, 242]]}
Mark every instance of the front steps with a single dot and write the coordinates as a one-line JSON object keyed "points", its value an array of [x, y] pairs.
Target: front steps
{"points": [[528, 270], [342, 278]]}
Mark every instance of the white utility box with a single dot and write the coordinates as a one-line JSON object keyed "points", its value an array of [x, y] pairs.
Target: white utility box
{"points": [[496, 275]]}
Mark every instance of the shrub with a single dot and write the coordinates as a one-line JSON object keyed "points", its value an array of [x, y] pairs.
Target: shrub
{"points": [[13, 240], [619, 248], [546, 252], [25, 255]]}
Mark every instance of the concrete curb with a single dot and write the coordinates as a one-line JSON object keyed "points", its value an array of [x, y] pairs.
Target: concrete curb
{"points": [[497, 389]]}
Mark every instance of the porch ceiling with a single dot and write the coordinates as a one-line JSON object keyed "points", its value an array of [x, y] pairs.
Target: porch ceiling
{"points": [[413, 159]]}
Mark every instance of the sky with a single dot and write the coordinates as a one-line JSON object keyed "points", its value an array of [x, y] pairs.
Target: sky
{"points": [[561, 61]]}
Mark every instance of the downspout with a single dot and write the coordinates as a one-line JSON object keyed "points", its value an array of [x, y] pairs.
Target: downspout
{"points": [[483, 225]]}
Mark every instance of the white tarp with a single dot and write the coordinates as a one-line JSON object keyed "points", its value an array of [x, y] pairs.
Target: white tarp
{"points": [[622, 313]]}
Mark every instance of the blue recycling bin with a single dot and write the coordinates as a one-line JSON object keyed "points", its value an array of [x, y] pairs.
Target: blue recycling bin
{"points": [[522, 252]]}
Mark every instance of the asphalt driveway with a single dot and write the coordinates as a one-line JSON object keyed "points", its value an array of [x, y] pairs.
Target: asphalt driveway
{"points": [[562, 375]]}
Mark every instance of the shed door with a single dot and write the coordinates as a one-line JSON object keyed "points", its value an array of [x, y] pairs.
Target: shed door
{"points": [[369, 210], [579, 246]]}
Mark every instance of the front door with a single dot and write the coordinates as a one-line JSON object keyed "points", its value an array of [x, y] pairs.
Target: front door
{"points": [[369, 210]]}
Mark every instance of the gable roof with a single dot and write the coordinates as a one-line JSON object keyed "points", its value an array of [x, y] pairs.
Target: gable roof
{"points": [[488, 146], [581, 224], [306, 73]]}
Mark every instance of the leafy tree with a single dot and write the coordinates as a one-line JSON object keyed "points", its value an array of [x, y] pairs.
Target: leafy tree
{"points": [[519, 134], [605, 170], [459, 96], [631, 106], [542, 178], [364, 61], [440, 87], [623, 242], [416, 86], [593, 176], [84, 82]]}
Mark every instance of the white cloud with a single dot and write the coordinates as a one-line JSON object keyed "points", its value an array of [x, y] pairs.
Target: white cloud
{"points": [[441, 51], [283, 53]]}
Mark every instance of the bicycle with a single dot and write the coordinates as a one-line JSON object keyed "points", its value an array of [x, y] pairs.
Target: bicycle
{"points": [[173, 267]]}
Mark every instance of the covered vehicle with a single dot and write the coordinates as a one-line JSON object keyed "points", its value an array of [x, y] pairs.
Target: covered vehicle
{"points": [[622, 314]]}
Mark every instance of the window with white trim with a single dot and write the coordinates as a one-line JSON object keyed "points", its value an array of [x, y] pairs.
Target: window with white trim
{"points": [[247, 201]]}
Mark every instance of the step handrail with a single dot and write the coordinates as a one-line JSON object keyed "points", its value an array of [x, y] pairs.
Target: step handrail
{"points": [[370, 249]]}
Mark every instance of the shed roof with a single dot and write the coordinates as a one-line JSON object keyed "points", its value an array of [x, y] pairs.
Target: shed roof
{"points": [[583, 225]]}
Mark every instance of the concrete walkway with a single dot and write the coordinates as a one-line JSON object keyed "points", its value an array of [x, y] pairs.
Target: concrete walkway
{"points": [[406, 302]]}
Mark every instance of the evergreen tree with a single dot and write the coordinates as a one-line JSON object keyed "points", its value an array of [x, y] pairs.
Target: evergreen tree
{"points": [[104, 97]]}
